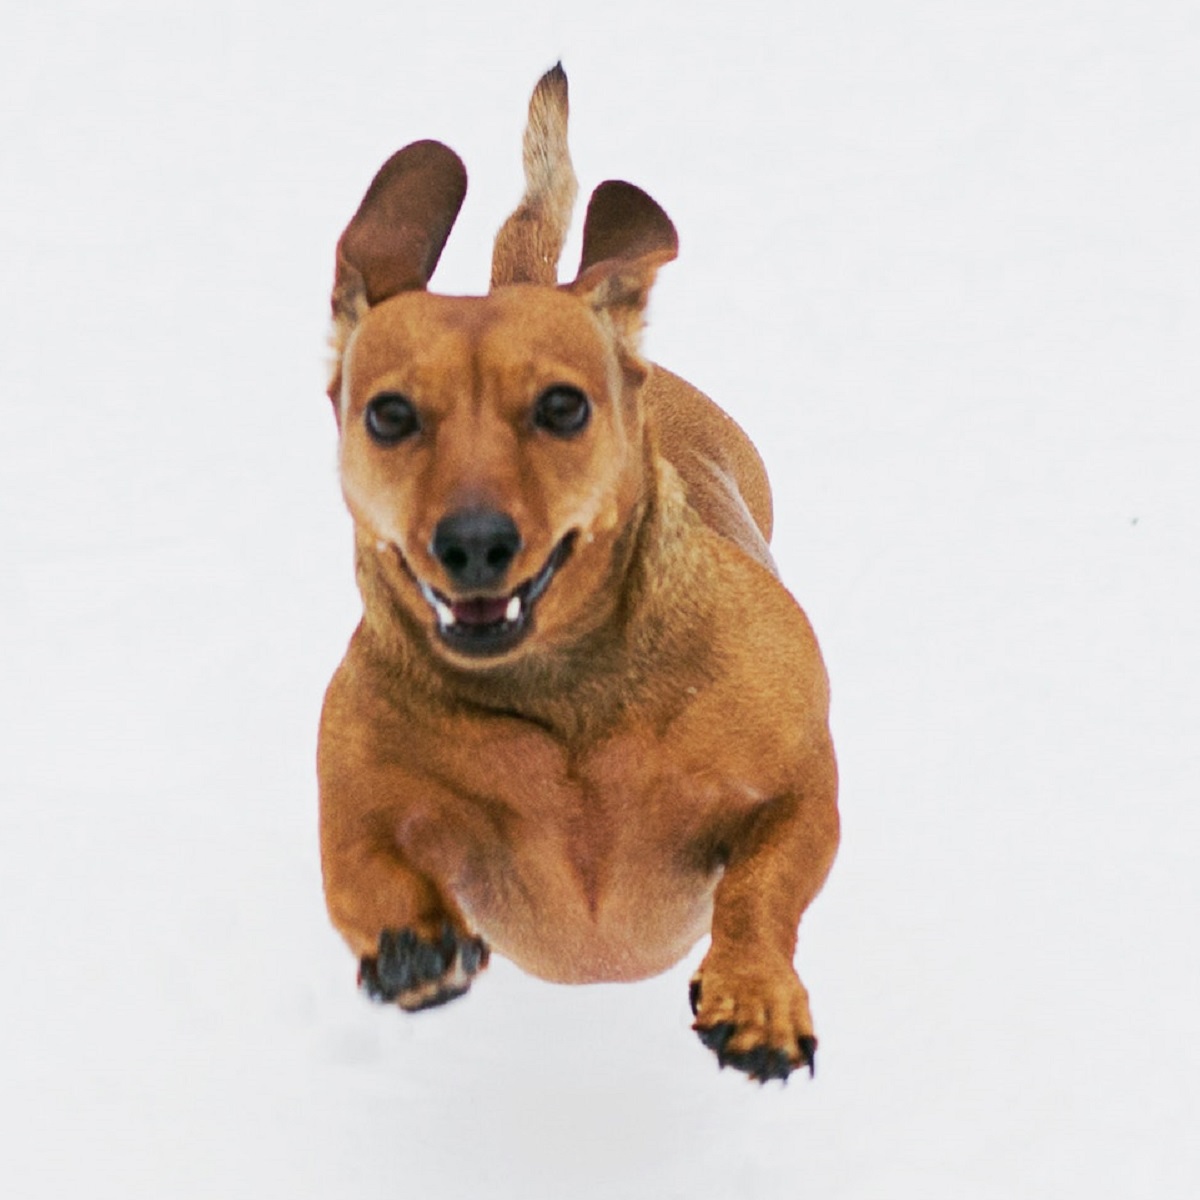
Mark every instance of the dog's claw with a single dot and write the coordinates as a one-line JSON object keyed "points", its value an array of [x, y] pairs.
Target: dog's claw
{"points": [[368, 980], [715, 1038], [474, 955], [406, 964], [808, 1055]]}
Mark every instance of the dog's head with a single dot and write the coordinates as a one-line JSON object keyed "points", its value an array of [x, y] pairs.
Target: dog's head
{"points": [[491, 447]]}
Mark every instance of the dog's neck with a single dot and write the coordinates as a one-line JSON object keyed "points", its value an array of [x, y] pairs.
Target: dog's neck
{"points": [[634, 656]]}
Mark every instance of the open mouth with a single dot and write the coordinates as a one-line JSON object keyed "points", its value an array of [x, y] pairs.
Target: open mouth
{"points": [[487, 625]]}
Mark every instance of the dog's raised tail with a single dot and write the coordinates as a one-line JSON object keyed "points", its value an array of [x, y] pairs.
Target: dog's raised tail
{"points": [[531, 240]]}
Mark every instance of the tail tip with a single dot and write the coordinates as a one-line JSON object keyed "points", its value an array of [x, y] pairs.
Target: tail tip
{"points": [[554, 81]]}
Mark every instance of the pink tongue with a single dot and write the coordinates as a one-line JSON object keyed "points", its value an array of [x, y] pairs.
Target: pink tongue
{"points": [[479, 612]]}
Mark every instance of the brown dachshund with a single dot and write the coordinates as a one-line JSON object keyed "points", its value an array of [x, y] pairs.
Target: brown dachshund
{"points": [[581, 723]]}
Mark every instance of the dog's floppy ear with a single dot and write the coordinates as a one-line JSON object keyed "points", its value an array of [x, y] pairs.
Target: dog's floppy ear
{"points": [[626, 238], [395, 239]]}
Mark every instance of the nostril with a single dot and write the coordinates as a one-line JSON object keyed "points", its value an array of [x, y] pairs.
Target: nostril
{"points": [[499, 556]]}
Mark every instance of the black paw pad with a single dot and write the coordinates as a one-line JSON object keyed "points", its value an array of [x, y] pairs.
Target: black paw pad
{"points": [[761, 1063], [419, 972]]}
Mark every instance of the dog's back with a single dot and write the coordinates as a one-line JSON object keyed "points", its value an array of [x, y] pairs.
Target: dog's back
{"points": [[723, 475]]}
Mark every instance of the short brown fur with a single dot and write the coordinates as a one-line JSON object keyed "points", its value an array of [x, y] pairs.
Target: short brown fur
{"points": [[642, 756]]}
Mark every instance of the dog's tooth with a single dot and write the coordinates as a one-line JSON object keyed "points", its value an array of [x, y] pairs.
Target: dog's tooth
{"points": [[513, 611], [445, 614]]}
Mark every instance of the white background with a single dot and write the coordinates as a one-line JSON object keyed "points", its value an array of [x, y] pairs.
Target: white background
{"points": [[941, 261]]}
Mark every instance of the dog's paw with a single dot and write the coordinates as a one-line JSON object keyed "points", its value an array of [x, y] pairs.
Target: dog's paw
{"points": [[755, 1021], [418, 972]]}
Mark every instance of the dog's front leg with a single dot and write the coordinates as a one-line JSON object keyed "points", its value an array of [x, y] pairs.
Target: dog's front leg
{"points": [[413, 943], [751, 1008], [413, 946]]}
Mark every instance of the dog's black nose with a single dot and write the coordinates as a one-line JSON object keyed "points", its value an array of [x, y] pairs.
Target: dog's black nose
{"points": [[476, 546]]}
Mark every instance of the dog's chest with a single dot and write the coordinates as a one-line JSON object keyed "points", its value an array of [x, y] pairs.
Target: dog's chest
{"points": [[600, 866]]}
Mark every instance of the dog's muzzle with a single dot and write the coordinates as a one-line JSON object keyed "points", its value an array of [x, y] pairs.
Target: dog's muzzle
{"points": [[481, 626]]}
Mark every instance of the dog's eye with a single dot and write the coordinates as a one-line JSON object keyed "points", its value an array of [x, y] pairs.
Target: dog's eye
{"points": [[562, 410], [390, 418]]}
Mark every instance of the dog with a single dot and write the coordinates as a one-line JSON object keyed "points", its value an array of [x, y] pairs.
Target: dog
{"points": [[581, 723]]}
